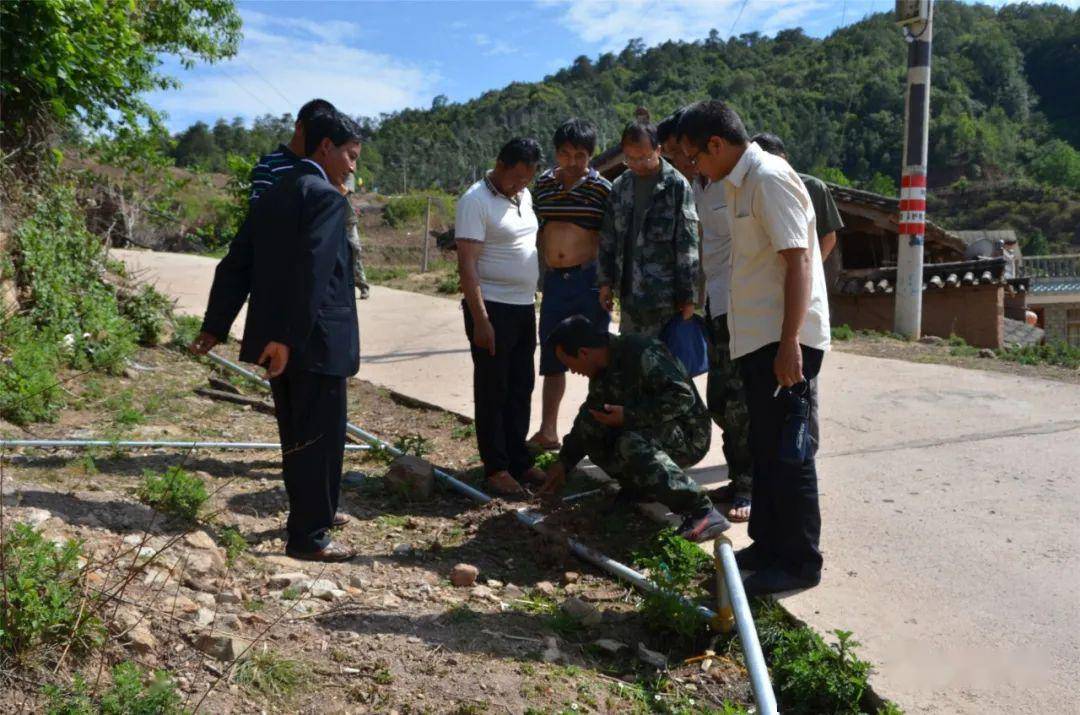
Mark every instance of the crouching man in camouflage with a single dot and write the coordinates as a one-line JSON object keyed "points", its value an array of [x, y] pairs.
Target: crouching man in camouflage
{"points": [[643, 422]]}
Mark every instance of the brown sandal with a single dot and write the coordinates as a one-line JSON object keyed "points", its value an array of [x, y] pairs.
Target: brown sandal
{"points": [[504, 485]]}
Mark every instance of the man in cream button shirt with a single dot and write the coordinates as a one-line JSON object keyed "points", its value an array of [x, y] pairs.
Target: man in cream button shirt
{"points": [[778, 317]]}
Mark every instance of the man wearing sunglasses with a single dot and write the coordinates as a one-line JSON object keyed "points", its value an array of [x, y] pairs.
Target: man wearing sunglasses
{"points": [[648, 239]]}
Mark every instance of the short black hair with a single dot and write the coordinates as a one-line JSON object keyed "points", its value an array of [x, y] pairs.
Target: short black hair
{"points": [[520, 150], [669, 126], [712, 118], [579, 133], [575, 333], [638, 131], [312, 108], [770, 143], [334, 126]]}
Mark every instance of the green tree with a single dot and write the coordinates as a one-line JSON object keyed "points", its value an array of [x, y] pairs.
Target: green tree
{"points": [[93, 61], [1058, 164]]}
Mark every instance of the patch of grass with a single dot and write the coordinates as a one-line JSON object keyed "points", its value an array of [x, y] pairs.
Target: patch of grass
{"points": [[958, 347], [553, 617], [1060, 354], [382, 675], [842, 332], [84, 464], [272, 674], [132, 692], [44, 607], [291, 593], [391, 521], [415, 444], [29, 391], [124, 411], [233, 542], [676, 566], [149, 312], [410, 208], [460, 613], [185, 329], [254, 605], [463, 432], [449, 284], [545, 459], [173, 492], [385, 274]]}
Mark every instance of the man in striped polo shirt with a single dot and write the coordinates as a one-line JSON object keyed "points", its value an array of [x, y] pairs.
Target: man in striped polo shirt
{"points": [[232, 278], [569, 203]]}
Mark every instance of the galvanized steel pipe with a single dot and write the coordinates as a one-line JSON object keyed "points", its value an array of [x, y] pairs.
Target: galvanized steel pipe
{"points": [[744, 621], [147, 444]]}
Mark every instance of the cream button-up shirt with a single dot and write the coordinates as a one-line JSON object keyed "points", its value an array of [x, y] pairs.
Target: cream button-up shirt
{"points": [[715, 243], [769, 211]]}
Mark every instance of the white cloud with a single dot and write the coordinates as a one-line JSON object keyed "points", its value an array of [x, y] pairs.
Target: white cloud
{"points": [[611, 24], [283, 62], [492, 47]]}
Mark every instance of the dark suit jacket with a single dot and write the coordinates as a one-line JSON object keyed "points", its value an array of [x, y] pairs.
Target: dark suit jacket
{"points": [[293, 253]]}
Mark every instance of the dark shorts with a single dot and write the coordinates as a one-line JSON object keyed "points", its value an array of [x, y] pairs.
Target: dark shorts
{"points": [[567, 292]]}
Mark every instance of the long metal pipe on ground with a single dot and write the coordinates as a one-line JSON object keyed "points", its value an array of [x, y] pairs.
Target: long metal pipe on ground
{"points": [[534, 520], [744, 621], [150, 444]]}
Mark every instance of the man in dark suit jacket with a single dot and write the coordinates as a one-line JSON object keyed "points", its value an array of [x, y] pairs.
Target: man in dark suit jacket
{"points": [[301, 324]]}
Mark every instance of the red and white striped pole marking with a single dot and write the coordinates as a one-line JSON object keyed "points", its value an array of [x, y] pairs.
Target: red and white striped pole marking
{"points": [[907, 318]]}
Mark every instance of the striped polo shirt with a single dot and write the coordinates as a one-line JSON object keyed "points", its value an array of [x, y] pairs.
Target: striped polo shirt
{"points": [[581, 204], [270, 169]]}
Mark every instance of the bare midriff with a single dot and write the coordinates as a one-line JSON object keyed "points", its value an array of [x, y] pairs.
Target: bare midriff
{"points": [[566, 244]]}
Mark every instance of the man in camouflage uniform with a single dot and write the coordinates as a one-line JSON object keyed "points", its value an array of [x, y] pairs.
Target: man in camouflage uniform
{"points": [[643, 422], [352, 233], [648, 239]]}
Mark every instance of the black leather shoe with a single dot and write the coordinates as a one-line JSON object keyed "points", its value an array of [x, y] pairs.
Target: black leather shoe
{"points": [[777, 580], [341, 519], [331, 553], [753, 558]]}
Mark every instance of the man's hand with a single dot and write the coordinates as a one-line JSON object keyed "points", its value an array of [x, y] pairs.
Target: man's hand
{"points": [[484, 336], [203, 343], [612, 416], [687, 310], [275, 356], [556, 480], [607, 298], [788, 363]]}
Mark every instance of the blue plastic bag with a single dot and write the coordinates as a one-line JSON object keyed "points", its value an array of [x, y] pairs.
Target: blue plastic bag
{"points": [[686, 341]]}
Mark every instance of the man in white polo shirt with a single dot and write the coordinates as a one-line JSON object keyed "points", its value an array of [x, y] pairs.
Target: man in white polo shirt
{"points": [[778, 318], [495, 230]]}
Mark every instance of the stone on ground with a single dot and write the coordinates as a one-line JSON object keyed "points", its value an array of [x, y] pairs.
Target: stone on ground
{"points": [[284, 580], [464, 575], [651, 657], [584, 613], [411, 476], [222, 647]]}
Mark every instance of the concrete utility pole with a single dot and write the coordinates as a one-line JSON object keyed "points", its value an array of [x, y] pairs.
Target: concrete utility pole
{"points": [[915, 17]]}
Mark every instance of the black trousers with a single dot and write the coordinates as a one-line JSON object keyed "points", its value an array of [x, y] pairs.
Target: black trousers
{"points": [[503, 385], [310, 411], [785, 520]]}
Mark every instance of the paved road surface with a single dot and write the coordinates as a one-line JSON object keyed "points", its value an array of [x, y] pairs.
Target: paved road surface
{"points": [[950, 500]]}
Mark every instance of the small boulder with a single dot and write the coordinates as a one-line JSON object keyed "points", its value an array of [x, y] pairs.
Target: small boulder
{"points": [[651, 657], [545, 588], [464, 575], [551, 652], [609, 645], [987, 353], [584, 613], [222, 647], [356, 581], [32, 516], [932, 340], [141, 640], [483, 592], [570, 577], [412, 477], [229, 597], [284, 580], [199, 540], [323, 589]]}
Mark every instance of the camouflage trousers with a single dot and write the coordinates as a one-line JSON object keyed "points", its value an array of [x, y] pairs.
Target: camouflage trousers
{"points": [[648, 464], [644, 322], [726, 398]]}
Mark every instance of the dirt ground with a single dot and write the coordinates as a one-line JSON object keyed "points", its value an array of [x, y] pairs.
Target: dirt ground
{"points": [[388, 632], [938, 351]]}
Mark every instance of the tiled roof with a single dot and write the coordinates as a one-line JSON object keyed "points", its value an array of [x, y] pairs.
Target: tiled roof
{"points": [[983, 271], [1055, 285]]}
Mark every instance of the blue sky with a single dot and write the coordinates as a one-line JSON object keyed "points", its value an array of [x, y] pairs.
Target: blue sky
{"points": [[373, 57]]}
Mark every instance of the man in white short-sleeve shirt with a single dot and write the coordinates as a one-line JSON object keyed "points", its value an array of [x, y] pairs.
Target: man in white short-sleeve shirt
{"points": [[778, 317], [495, 230]]}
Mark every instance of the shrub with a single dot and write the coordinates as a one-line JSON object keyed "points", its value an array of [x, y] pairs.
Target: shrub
{"points": [[400, 211], [815, 677], [415, 444], [174, 492], [233, 542], [449, 284], [149, 312], [185, 329], [1059, 353], [28, 387], [43, 606], [131, 693], [842, 332]]}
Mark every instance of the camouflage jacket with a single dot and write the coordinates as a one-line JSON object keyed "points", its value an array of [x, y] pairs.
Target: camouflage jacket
{"points": [[654, 390], [665, 271]]}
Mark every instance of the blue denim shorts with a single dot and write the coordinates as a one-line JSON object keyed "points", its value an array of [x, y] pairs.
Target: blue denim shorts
{"points": [[567, 292]]}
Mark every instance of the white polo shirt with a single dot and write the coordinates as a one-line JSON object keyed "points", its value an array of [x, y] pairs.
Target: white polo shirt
{"points": [[715, 243], [507, 267], [770, 211]]}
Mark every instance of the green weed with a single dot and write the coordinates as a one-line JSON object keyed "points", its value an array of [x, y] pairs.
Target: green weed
{"points": [[272, 674], [449, 284], [149, 313], [814, 677], [415, 444], [185, 329], [43, 598], [842, 332], [676, 566], [132, 693], [463, 432], [233, 542], [385, 274], [28, 373], [545, 459], [1061, 354], [173, 492]]}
